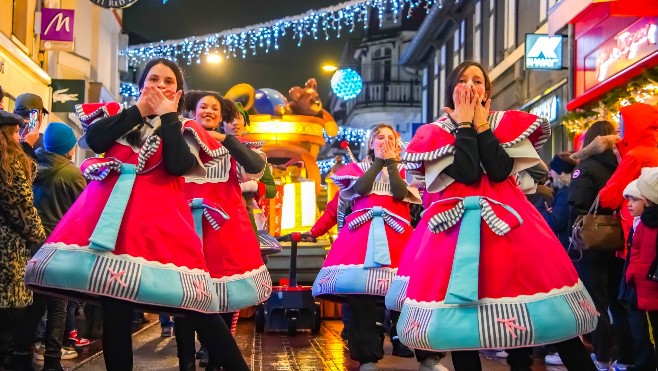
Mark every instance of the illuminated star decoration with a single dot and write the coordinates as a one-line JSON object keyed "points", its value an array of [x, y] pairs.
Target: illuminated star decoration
{"points": [[314, 24]]}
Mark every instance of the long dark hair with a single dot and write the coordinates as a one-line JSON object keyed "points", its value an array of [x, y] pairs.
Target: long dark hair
{"points": [[134, 136], [597, 129], [453, 79]]}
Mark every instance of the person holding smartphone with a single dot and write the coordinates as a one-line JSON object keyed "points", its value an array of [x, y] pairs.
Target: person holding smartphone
{"points": [[30, 107]]}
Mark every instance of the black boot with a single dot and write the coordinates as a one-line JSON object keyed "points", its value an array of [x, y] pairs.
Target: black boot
{"points": [[401, 350], [187, 364], [52, 364]]}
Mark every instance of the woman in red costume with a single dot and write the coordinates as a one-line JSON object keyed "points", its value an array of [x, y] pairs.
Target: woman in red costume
{"points": [[488, 272], [129, 240], [363, 259]]}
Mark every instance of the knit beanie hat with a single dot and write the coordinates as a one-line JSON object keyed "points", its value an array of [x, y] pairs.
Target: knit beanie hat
{"points": [[562, 163], [647, 183], [632, 191], [58, 138]]}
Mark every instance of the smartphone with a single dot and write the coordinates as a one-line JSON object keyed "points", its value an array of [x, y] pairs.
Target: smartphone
{"points": [[33, 119]]}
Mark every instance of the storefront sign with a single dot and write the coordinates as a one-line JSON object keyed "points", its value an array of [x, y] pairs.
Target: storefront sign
{"points": [[66, 94], [546, 108], [543, 52], [622, 51], [57, 29], [114, 4]]}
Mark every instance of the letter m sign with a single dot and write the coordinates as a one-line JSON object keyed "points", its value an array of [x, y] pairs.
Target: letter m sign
{"points": [[56, 24]]}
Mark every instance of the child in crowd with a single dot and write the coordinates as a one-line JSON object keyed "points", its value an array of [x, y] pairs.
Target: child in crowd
{"points": [[641, 272]]}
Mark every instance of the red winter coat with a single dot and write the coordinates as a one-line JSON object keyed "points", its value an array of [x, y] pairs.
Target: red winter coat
{"points": [[637, 150], [643, 252]]}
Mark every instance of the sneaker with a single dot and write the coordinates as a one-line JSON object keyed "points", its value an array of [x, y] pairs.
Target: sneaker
{"points": [[203, 357], [67, 353], [553, 359], [75, 341], [432, 364], [501, 354], [166, 332], [368, 367], [600, 366], [619, 366]]}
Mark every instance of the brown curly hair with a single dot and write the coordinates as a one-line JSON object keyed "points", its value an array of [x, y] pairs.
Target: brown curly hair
{"points": [[11, 153]]}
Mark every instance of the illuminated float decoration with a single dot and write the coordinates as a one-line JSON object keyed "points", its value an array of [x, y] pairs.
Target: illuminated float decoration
{"points": [[293, 131]]}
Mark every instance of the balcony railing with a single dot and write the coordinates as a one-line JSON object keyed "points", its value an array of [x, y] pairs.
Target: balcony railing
{"points": [[387, 93]]}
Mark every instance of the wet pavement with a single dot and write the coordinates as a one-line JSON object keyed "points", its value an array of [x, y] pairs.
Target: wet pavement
{"points": [[273, 351]]}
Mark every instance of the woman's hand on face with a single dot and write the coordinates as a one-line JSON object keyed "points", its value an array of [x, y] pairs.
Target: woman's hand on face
{"points": [[481, 112], [386, 151], [145, 103], [465, 99], [164, 105]]}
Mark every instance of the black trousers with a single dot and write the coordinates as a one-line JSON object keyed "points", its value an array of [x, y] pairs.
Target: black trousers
{"points": [[25, 335], [573, 353], [10, 319], [601, 273], [366, 335], [117, 337]]}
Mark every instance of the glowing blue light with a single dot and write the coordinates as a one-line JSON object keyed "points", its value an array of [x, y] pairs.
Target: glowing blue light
{"points": [[346, 83], [127, 89]]}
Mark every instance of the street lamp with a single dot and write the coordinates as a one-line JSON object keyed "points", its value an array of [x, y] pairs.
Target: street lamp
{"points": [[214, 58], [329, 68]]}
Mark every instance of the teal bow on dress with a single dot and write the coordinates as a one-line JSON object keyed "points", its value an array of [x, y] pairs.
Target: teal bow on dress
{"points": [[105, 234]]}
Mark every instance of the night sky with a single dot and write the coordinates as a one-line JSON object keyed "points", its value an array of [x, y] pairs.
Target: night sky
{"points": [[151, 20]]}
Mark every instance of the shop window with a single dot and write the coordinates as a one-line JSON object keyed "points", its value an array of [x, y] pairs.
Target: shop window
{"points": [[477, 33], [19, 22], [381, 65], [492, 32]]}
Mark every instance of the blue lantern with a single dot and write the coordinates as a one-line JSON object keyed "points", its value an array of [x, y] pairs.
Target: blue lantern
{"points": [[346, 83]]}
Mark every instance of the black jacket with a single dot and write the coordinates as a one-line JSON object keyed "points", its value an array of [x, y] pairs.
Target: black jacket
{"points": [[588, 178], [56, 187]]}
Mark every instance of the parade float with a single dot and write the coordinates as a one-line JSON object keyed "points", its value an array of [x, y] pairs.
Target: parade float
{"points": [[293, 132]]}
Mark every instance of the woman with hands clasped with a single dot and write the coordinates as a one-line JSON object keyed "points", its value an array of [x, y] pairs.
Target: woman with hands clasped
{"points": [[129, 240], [487, 272], [365, 255]]}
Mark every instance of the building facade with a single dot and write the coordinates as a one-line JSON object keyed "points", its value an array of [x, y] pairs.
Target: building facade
{"points": [[493, 33], [91, 63], [391, 92]]}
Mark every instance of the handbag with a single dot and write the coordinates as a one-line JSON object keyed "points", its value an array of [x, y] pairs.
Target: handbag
{"points": [[597, 232]]}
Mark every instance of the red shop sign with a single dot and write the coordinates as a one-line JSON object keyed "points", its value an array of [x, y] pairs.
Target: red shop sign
{"points": [[631, 45]]}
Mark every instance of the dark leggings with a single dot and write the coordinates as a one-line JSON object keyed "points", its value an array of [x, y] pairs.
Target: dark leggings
{"points": [[117, 337], [573, 353], [366, 335]]}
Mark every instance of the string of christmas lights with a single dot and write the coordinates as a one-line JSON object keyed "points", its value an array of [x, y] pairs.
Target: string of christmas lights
{"points": [[642, 89], [325, 165], [264, 37], [353, 136], [127, 89]]}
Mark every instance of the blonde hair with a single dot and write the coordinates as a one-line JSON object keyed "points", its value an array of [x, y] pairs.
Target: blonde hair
{"points": [[373, 133], [11, 154]]}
